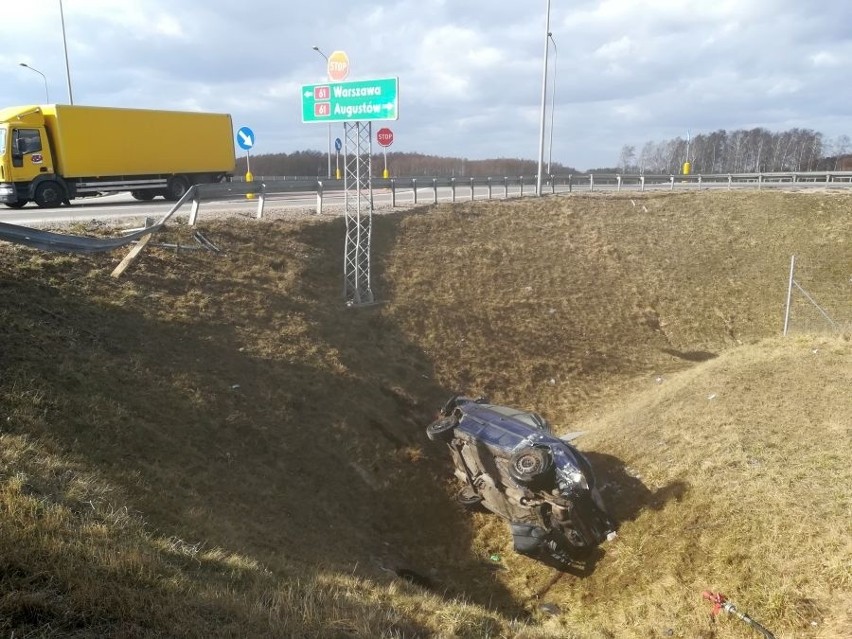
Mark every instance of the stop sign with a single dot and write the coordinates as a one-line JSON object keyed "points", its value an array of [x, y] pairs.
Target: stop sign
{"points": [[338, 66], [384, 137]]}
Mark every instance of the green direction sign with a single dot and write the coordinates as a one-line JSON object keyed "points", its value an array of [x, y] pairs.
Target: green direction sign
{"points": [[351, 101]]}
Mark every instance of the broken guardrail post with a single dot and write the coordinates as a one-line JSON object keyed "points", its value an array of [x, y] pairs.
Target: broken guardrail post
{"points": [[196, 203]]}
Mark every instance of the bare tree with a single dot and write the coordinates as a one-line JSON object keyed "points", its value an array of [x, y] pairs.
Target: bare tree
{"points": [[627, 159]]}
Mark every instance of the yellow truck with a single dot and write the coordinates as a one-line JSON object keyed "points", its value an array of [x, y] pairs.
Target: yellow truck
{"points": [[51, 154]]}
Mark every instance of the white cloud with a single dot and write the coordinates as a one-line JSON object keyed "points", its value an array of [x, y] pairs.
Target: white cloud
{"points": [[628, 71]]}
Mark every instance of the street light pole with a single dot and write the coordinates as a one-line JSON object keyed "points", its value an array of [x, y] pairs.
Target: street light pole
{"points": [[44, 77], [552, 102], [543, 101], [317, 49], [65, 46]]}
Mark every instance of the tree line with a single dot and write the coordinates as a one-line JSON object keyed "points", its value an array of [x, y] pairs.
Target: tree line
{"points": [[741, 151], [315, 164]]}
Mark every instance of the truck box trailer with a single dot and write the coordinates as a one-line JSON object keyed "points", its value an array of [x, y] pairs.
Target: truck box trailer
{"points": [[50, 154]]}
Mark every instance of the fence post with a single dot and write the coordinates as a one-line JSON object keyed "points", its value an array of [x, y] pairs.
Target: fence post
{"points": [[319, 197], [434, 190], [730, 182], [552, 185], [618, 182], [471, 189], [506, 187], [699, 181], [789, 294], [393, 193], [261, 201], [827, 178], [521, 179], [489, 188], [591, 181], [570, 186], [759, 181], [642, 182], [414, 188], [453, 187], [671, 183]]}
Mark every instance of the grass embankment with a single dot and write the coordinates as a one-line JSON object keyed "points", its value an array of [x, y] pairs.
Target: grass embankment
{"points": [[214, 446]]}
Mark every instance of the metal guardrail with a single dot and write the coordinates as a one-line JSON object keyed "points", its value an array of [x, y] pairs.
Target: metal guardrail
{"points": [[426, 189]]}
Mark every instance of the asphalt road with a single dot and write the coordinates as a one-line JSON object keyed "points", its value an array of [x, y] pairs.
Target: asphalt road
{"points": [[122, 208]]}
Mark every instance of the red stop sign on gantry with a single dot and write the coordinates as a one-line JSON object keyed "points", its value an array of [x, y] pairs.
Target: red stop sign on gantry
{"points": [[384, 137]]}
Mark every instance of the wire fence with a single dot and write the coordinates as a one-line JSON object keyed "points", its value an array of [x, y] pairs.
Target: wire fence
{"points": [[819, 296]]}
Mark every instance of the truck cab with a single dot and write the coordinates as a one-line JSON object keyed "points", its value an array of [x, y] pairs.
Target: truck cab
{"points": [[26, 161]]}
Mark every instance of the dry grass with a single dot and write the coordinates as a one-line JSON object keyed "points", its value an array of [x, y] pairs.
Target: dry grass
{"points": [[215, 446]]}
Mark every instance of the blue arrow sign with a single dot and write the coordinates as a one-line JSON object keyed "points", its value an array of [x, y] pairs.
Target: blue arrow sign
{"points": [[245, 138], [338, 144]]}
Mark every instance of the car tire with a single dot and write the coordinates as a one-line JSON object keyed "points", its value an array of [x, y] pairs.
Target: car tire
{"points": [[469, 498], [143, 195], [531, 466], [441, 430], [17, 205]]}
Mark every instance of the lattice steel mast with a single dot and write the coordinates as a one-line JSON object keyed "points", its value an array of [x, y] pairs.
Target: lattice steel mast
{"points": [[358, 189]]}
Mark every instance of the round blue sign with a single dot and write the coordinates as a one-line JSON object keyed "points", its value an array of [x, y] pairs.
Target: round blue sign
{"points": [[338, 144], [245, 138]]}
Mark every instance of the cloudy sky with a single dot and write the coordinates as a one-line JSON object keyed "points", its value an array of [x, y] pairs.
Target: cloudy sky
{"points": [[470, 71]]}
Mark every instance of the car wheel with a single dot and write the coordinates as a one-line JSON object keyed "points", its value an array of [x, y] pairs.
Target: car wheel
{"points": [[17, 205], [469, 498], [530, 466], [441, 430], [49, 195]]}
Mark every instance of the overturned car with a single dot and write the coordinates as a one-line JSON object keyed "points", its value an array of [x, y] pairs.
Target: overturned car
{"points": [[510, 463]]}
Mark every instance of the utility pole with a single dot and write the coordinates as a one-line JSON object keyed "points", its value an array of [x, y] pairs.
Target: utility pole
{"points": [[317, 49], [65, 46], [543, 102]]}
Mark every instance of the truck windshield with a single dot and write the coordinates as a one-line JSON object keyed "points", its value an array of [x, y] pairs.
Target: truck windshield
{"points": [[2, 142]]}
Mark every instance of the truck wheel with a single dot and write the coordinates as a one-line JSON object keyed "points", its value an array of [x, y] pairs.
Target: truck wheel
{"points": [[144, 196], [49, 195], [17, 205], [176, 188]]}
